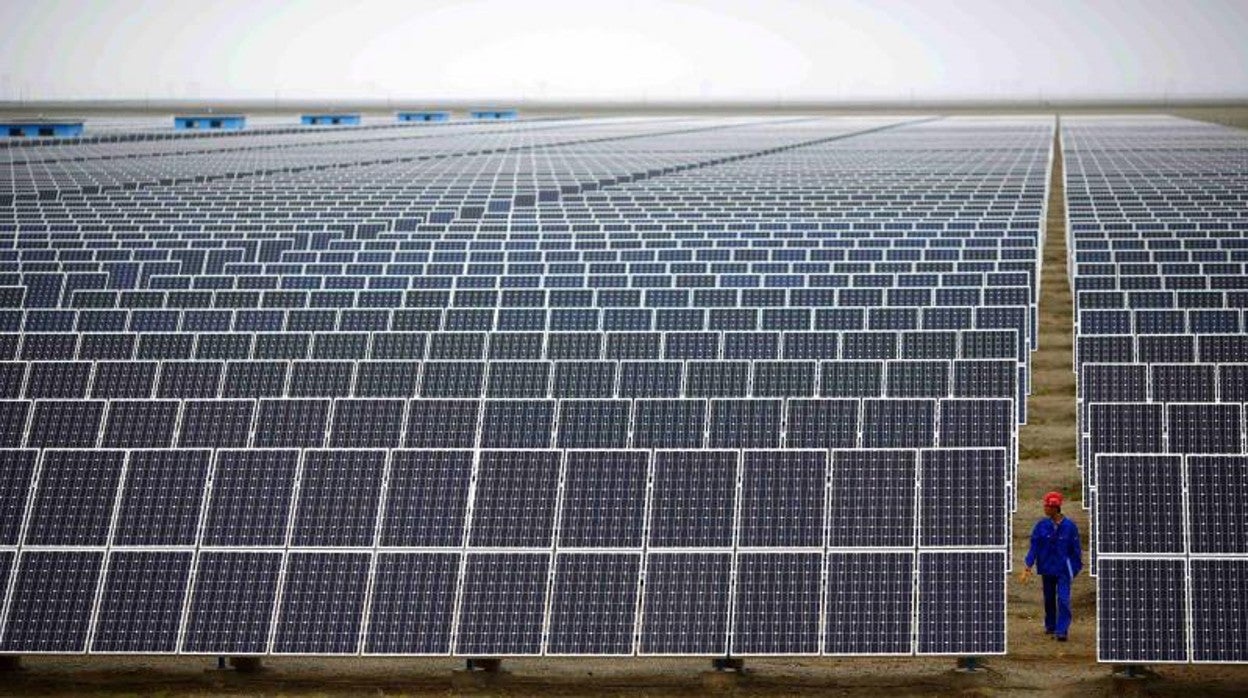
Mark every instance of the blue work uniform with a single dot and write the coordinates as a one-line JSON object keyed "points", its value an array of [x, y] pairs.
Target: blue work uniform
{"points": [[1058, 557]]}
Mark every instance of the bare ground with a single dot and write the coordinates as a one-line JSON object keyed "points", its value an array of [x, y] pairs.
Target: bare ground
{"points": [[1034, 664]]}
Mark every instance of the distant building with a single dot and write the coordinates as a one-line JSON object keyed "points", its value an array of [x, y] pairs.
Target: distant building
{"points": [[408, 116], [494, 114], [209, 122], [330, 119], [40, 128]]}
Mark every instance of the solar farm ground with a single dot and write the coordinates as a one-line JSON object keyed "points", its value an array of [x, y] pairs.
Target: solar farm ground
{"points": [[1034, 663]]}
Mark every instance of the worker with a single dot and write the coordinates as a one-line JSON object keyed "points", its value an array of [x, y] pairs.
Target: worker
{"points": [[1057, 556]]}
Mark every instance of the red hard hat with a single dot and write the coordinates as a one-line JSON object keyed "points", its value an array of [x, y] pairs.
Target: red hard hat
{"points": [[1053, 499]]}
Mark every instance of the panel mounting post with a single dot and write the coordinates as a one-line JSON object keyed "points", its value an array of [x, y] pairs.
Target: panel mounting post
{"points": [[971, 665]]}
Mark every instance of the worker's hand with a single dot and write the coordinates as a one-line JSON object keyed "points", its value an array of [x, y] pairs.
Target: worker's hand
{"points": [[1025, 575]]}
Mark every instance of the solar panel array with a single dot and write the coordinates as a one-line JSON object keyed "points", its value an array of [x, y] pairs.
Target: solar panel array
{"points": [[679, 386], [1159, 239]]}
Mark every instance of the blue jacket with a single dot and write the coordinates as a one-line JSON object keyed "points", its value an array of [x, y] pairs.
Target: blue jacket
{"points": [[1055, 549]]}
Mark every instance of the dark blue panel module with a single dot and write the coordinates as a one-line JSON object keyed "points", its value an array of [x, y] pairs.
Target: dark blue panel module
{"points": [[961, 603], [13, 415], [975, 478], [977, 423], [161, 498], [584, 379], [50, 604], [215, 423], [502, 605], [291, 423], [426, 498], [1204, 428], [594, 603], [917, 379], [593, 423], [16, 467], [870, 603], [717, 378], [851, 379], [1141, 610], [140, 424], [74, 499], [367, 424], [604, 499], [1219, 623], [249, 502], [442, 424], [58, 424], [413, 603], [338, 497], [822, 424], [651, 379], [447, 379], [141, 606], [322, 603], [669, 423], [872, 499], [231, 605], [898, 423], [693, 499], [515, 499], [1139, 504], [1217, 492], [517, 423], [386, 379], [745, 423], [784, 379], [685, 604], [782, 498], [777, 603]]}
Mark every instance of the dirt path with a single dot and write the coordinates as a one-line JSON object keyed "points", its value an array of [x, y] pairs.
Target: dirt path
{"points": [[1035, 664]]}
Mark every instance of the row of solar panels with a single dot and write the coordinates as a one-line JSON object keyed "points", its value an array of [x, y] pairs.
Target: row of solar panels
{"points": [[494, 499], [650, 290], [678, 322], [676, 551], [1162, 434], [506, 604], [516, 423], [539, 379]]}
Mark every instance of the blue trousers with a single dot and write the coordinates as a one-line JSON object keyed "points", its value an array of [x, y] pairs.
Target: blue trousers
{"points": [[1057, 604]]}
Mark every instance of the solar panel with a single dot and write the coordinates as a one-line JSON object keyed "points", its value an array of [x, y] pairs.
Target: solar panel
{"points": [[685, 604], [593, 604], [871, 503], [961, 605], [502, 604], [140, 609], [870, 603], [776, 607], [1141, 610]]}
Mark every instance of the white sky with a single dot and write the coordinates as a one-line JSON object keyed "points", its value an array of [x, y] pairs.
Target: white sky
{"points": [[628, 50]]}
